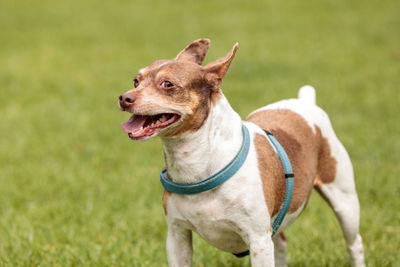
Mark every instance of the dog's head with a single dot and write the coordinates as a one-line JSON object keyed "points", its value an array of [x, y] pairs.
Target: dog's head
{"points": [[172, 97]]}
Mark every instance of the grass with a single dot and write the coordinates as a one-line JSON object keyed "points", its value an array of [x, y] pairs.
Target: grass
{"points": [[75, 191]]}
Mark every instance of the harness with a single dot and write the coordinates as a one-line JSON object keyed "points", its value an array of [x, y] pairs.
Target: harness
{"points": [[229, 170]]}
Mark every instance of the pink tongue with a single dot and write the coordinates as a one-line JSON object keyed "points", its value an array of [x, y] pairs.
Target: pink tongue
{"points": [[133, 124]]}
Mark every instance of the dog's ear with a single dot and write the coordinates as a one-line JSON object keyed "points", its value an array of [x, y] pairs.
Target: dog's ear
{"points": [[194, 52], [215, 71]]}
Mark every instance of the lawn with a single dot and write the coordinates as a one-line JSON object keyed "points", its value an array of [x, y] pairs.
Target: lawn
{"points": [[75, 191]]}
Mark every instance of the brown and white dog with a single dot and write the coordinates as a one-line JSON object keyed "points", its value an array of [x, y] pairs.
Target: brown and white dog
{"points": [[181, 101]]}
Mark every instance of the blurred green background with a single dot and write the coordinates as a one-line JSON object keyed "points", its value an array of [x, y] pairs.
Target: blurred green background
{"points": [[74, 190]]}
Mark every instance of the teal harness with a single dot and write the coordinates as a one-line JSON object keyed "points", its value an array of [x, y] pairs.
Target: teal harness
{"points": [[229, 170]]}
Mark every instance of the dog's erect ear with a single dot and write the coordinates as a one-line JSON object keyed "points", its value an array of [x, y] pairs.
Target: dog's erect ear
{"points": [[216, 70], [194, 52]]}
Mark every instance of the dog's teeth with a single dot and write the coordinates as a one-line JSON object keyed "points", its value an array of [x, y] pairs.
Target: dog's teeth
{"points": [[163, 118], [140, 130]]}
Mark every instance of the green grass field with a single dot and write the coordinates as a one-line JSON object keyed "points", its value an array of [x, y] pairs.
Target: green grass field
{"points": [[75, 191]]}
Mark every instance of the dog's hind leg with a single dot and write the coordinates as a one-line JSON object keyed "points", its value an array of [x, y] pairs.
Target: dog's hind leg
{"points": [[341, 195], [280, 250]]}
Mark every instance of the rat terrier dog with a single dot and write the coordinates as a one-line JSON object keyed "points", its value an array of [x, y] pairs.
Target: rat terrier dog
{"points": [[181, 101]]}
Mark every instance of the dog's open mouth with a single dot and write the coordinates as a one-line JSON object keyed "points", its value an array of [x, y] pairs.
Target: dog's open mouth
{"points": [[141, 126]]}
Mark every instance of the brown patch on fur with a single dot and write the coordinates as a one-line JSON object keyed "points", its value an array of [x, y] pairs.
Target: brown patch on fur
{"points": [[268, 160], [327, 164], [165, 200], [255, 254], [200, 106], [306, 150]]}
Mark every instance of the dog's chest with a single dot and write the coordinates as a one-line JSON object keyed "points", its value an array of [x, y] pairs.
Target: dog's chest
{"points": [[213, 218], [224, 216]]}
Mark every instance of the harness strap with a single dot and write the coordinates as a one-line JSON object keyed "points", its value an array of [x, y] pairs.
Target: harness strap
{"points": [[289, 177], [215, 180]]}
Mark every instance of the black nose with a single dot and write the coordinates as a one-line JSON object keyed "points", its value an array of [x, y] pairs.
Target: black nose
{"points": [[126, 99]]}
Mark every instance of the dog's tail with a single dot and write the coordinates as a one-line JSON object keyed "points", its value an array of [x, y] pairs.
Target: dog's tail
{"points": [[307, 94]]}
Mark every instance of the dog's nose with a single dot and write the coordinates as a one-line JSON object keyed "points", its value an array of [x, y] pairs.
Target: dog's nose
{"points": [[126, 99]]}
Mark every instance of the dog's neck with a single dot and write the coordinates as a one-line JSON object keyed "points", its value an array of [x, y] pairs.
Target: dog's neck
{"points": [[195, 156]]}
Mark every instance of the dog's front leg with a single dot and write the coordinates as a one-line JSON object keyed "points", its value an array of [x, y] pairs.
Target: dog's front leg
{"points": [[179, 246], [262, 251]]}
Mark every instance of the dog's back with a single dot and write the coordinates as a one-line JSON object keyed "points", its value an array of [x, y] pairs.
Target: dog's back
{"points": [[300, 126], [318, 158]]}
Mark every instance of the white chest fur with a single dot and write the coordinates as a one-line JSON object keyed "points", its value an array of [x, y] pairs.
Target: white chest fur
{"points": [[225, 215]]}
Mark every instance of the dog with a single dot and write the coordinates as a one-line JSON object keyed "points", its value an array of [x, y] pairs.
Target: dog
{"points": [[181, 101]]}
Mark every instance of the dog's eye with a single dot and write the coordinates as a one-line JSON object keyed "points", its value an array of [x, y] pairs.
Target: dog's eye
{"points": [[166, 85], [135, 82]]}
